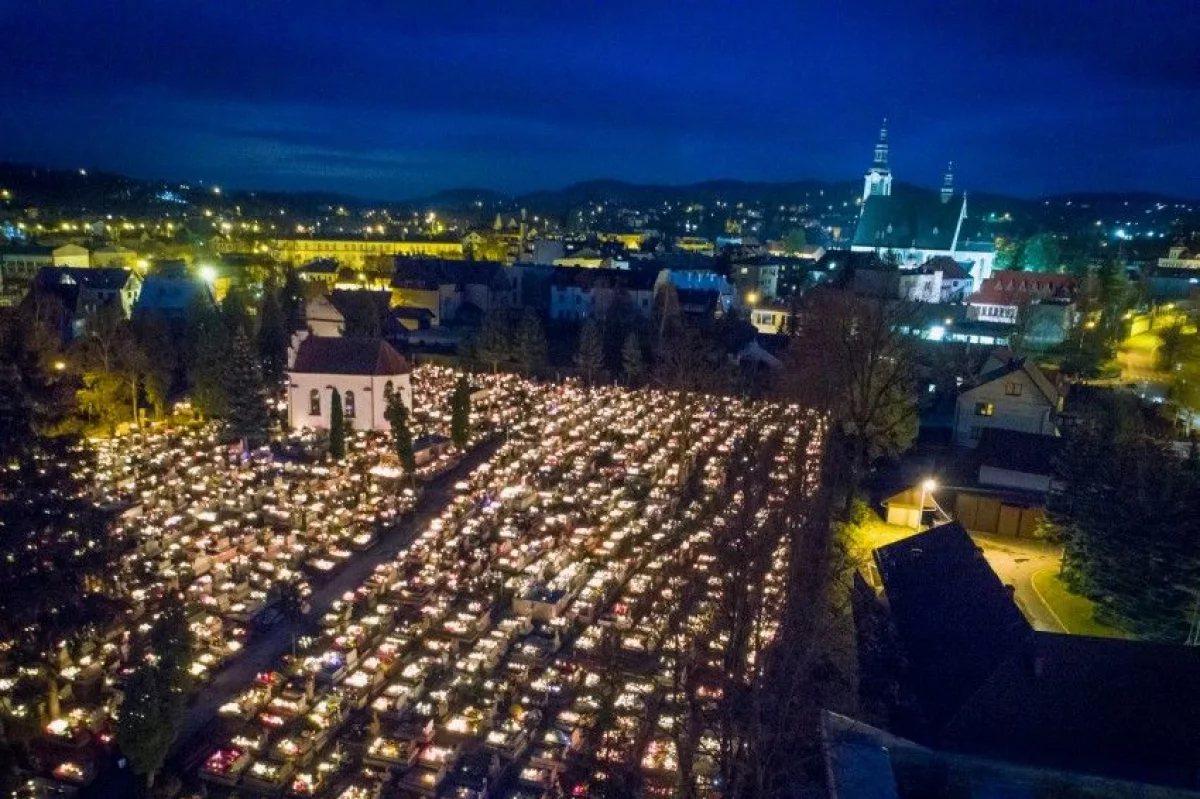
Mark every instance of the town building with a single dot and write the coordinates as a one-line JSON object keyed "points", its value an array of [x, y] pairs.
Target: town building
{"points": [[1178, 257], [171, 295], [453, 291], [772, 319], [20, 263], [84, 291], [908, 226], [356, 252], [363, 371], [1015, 395], [1043, 304], [577, 294]]}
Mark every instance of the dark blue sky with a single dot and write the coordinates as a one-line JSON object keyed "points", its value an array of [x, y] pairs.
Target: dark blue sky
{"points": [[397, 98]]}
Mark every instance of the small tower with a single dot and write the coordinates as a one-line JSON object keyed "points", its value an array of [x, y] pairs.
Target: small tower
{"points": [[948, 184], [878, 179]]}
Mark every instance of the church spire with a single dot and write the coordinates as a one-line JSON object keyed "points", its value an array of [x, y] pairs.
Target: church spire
{"points": [[878, 180], [948, 184]]}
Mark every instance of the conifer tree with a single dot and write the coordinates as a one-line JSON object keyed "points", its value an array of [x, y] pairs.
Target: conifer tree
{"points": [[396, 414], [460, 412], [337, 427], [247, 417], [273, 337], [531, 347], [590, 355], [632, 363]]}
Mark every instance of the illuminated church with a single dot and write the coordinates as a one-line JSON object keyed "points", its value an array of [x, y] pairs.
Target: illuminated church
{"points": [[914, 225]]}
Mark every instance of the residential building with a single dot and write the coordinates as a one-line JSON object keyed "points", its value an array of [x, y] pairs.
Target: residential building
{"points": [[1179, 257], [910, 225], [1013, 396], [1043, 304], [363, 371], [355, 252], [85, 290], [772, 319], [588, 293], [171, 295], [116, 256], [20, 263], [701, 291], [453, 291]]}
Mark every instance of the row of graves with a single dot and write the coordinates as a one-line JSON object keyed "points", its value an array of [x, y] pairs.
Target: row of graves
{"points": [[525, 644], [225, 529]]}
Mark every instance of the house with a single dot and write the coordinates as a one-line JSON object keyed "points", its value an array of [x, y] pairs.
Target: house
{"points": [[322, 318], [771, 319], [987, 685], [1016, 459], [356, 253], [588, 293], [115, 255], [1047, 302], [20, 263], [363, 371], [452, 291], [956, 279], [83, 291], [701, 291], [1013, 396]]}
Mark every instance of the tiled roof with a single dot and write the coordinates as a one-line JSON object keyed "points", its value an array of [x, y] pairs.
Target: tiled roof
{"points": [[1009, 287], [348, 356]]}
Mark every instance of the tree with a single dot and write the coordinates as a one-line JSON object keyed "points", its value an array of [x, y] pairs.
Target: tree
{"points": [[159, 359], [361, 315], [396, 414], [1041, 253], [247, 417], [156, 691], [493, 342], [589, 356], [795, 240], [460, 412], [112, 363], [207, 353], [273, 337], [850, 359], [530, 346], [668, 313], [337, 427], [235, 313], [1127, 509], [291, 301], [633, 366]]}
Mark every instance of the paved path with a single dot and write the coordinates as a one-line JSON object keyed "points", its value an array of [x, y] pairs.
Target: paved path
{"points": [[1015, 561], [263, 651]]}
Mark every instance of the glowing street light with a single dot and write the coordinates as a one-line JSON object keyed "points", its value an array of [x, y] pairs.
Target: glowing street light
{"points": [[208, 273]]}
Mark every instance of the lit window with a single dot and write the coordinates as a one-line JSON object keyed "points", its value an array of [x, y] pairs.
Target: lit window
{"points": [[1014, 389], [984, 409], [314, 403], [349, 404]]}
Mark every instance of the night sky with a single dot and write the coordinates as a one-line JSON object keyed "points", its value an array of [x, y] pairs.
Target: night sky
{"points": [[396, 99]]}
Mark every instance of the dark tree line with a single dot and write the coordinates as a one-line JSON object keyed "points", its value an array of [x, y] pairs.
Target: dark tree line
{"points": [[1127, 509]]}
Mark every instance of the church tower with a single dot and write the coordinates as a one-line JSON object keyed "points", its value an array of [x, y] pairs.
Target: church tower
{"points": [[878, 180], [948, 184]]}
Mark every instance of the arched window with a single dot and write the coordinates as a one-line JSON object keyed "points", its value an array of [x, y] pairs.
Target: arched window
{"points": [[314, 403], [388, 388], [349, 404]]}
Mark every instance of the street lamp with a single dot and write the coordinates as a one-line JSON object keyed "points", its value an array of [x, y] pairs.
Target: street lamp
{"points": [[928, 486]]}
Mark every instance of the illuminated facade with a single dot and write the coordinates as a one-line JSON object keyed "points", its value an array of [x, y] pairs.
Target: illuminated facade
{"points": [[355, 253]]}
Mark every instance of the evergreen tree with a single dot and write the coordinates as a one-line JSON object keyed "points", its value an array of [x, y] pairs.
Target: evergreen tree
{"points": [[460, 412], [156, 691], [362, 318], [291, 301], [247, 417], [396, 414], [633, 366], [159, 359], [531, 347], [207, 353], [1041, 253], [590, 355], [337, 427], [273, 336], [236, 314], [493, 342]]}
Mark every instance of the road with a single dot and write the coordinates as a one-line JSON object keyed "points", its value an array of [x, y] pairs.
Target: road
{"points": [[1015, 561], [262, 653]]}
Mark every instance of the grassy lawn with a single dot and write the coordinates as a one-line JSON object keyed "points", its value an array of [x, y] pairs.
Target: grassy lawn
{"points": [[1074, 611], [874, 534]]}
